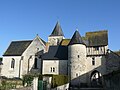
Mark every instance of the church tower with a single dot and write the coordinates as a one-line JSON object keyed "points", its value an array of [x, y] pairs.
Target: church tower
{"points": [[56, 36], [77, 59]]}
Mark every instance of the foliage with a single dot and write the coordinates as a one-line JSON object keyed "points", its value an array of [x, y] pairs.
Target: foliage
{"points": [[27, 79], [58, 80], [10, 84], [1, 58]]}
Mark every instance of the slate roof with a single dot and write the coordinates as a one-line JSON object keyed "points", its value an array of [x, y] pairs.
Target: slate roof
{"points": [[62, 53], [43, 41], [16, 48], [117, 52], [57, 31], [56, 53], [76, 39], [97, 38]]}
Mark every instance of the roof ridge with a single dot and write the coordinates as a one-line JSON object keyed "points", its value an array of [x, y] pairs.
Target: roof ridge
{"points": [[97, 31]]}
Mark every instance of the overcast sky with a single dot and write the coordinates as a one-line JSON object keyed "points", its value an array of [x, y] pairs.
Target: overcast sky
{"points": [[23, 19]]}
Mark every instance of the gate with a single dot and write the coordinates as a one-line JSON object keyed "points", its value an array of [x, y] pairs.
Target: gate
{"points": [[42, 85]]}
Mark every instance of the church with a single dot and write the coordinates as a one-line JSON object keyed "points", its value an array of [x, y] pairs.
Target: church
{"points": [[83, 58]]}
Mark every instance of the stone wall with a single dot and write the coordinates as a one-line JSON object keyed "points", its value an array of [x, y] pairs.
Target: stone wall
{"points": [[6, 67], [29, 56], [57, 65], [77, 63], [24, 88]]}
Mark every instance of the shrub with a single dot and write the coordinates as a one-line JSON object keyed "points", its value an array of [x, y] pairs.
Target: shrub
{"points": [[27, 79]]}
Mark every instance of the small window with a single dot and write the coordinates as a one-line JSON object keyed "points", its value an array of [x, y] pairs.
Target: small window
{"points": [[96, 48], [35, 63], [53, 69], [78, 56], [76, 74], [93, 61], [89, 50], [13, 63], [101, 49]]}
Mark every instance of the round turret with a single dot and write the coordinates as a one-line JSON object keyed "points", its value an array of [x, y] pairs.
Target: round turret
{"points": [[77, 58]]}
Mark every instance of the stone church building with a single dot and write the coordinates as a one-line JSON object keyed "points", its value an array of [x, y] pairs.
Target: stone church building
{"points": [[83, 59]]}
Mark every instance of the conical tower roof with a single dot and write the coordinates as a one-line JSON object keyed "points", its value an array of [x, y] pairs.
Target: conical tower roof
{"points": [[76, 39], [57, 31]]}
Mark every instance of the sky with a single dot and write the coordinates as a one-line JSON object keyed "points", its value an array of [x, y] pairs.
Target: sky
{"points": [[24, 19]]}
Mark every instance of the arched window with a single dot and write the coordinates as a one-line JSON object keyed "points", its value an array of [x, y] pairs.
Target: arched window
{"points": [[13, 63], [35, 63], [96, 79]]}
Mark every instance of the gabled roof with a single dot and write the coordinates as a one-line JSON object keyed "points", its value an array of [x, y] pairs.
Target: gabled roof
{"points": [[57, 31], [41, 39], [76, 39], [97, 38], [16, 48], [56, 53]]}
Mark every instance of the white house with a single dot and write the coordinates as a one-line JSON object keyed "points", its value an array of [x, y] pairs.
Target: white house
{"points": [[22, 57]]}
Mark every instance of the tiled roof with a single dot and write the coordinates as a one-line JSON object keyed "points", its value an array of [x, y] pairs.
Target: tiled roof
{"points": [[56, 53], [97, 38], [57, 31], [65, 42], [16, 48], [76, 39]]}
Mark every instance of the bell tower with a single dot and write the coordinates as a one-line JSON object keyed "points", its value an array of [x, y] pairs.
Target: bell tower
{"points": [[56, 36]]}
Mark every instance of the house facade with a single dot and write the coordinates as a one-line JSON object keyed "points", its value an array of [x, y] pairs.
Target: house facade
{"points": [[21, 57]]}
